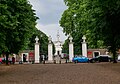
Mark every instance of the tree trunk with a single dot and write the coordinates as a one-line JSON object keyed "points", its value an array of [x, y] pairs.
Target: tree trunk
{"points": [[7, 56], [114, 56]]}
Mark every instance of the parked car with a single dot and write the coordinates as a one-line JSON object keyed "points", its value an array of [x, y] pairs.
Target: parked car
{"points": [[3, 60], [101, 58], [80, 59]]}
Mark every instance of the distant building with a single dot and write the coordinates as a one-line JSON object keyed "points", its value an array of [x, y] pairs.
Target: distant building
{"points": [[26, 55], [58, 45], [95, 52]]}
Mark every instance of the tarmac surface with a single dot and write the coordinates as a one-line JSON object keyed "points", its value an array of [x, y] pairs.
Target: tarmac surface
{"points": [[70, 73]]}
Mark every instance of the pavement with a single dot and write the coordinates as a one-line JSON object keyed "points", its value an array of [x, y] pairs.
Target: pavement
{"points": [[70, 73]]}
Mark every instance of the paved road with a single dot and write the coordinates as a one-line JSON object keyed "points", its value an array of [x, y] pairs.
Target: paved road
{"points": [[82, 73]]}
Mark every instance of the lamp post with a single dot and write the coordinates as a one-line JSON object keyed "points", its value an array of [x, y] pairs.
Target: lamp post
{"points": [[60, 54], [41, 58]]}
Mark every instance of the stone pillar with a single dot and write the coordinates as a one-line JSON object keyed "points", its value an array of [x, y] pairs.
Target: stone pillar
{"points": [[37, 55], [50, 50], [84, 46], [71, 50]]}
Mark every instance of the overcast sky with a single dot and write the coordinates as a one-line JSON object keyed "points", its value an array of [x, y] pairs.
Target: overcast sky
{"points": [[49, 13]]}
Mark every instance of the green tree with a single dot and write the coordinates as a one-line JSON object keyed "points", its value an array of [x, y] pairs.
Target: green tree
{"points": [[43, 40], [110, 19], [76, 21], [17, 22], [98, 20], [65, 48]]}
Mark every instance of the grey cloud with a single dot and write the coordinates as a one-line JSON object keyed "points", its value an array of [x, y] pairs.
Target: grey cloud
{"points": [[49, 11]]}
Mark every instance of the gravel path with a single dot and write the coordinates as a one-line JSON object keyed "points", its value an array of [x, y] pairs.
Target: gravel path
{"points": [[81, 73]]}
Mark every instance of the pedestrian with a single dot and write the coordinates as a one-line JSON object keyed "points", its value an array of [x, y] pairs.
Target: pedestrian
{"points": [[13, 60], [43, 56]]}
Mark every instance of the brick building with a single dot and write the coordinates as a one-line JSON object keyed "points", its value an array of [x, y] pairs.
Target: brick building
{"points": [[95, 52]]}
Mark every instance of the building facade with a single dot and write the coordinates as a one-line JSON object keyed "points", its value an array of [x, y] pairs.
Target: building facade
{"points": [[58, 45], [95, 52]]}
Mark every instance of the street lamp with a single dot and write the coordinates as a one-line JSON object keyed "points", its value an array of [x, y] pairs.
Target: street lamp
{"points": [[41, 41], [41, 48]]}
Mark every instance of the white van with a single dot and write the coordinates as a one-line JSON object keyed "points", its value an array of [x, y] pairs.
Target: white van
{"points": [[118, 57]]}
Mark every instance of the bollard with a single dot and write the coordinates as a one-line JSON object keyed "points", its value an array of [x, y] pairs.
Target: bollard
{"points": [[32, 62], [66, 61], [60, 62], [43, 61], [54, 61], [20, 61]]}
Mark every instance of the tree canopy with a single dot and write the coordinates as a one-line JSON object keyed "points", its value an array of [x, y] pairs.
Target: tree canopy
{"points": [[17, 23], [43, 40], [97, 19]]}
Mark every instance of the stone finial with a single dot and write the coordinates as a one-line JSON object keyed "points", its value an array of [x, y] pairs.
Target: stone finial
{"points": [[36, 39], [84, 38], [70, 38], [50, 39]]}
